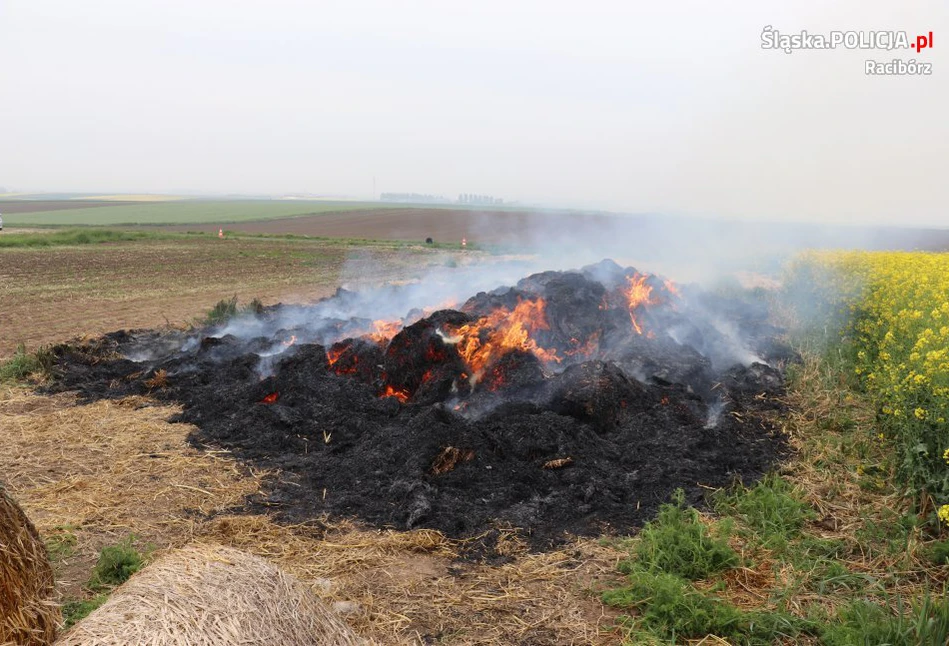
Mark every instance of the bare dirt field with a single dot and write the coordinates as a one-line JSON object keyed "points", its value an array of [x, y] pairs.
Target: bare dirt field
{"points": [[35, 206], [443, 225], [53, 294], [715, 239]]}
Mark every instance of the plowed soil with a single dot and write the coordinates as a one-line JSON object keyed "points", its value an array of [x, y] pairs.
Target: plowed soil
{"points": [[53, 294]]}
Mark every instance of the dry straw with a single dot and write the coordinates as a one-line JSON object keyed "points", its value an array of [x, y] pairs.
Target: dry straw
{"points": [[208, 594], [112, 468], [28, 617]]}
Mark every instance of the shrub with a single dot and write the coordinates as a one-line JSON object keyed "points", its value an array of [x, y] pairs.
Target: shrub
{"points": [[222, 312]]}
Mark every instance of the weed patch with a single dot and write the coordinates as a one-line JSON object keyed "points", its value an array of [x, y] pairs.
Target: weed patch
{"points": [[770, 508], [668, 607], [115, 565], [227, 308], [61, 544], [677, 542], [77, 609], [862, 622], [25, 364]]}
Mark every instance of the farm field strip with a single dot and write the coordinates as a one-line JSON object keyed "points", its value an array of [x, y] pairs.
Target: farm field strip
{"points": [[185, 212]]}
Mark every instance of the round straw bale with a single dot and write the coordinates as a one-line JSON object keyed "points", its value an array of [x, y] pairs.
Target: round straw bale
{"points": [[28, 616], [209, 595]]}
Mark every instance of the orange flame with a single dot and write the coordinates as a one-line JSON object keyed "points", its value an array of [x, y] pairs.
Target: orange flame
{"points": [[271, 398], [398, 393], [490, 337], [290, 341], [671, 287], [449, 304], [383, 330], [587, 349], [638, 294], [334, 355]]}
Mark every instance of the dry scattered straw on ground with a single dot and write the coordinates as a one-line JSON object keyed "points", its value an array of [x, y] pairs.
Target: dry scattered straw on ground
{"points": [[846, 500], [28, 615], [110, 469], [208, 595]]}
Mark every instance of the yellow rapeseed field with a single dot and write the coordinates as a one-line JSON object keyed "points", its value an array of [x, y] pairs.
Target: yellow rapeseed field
{"points": [[895, 308]]}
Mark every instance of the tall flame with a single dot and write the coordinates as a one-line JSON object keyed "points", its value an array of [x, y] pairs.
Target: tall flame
{"points": [[638, 294], [333, 355]]}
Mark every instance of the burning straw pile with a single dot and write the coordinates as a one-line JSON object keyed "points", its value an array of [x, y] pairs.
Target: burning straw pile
{"points": [[28, 617], [205, 595], [570, 403]]}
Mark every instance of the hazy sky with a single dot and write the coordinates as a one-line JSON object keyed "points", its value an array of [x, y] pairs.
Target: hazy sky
{"points": [[636, 106]]}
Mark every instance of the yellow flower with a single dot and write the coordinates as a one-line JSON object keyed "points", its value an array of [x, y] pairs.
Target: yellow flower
{"points": [[944, 514], [920, 413]]}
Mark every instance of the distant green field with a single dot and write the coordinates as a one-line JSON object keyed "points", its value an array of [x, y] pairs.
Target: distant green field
{"points": [[185, 212]]}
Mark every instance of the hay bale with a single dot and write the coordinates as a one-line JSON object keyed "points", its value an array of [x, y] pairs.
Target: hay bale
{"points": [[211, 595], [28, 616]]}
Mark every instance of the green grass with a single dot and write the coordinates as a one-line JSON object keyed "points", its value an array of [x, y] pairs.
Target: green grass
{"points": [[184, 212], [938, 552], [25, 364], [74, 237], [669, 608], [670, 552], [95, 235], [925, 622], [771, 509], [77, 609], [115, 565], [677, 542], [61, 544]]}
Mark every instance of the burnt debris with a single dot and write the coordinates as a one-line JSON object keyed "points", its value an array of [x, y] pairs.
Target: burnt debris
{"points": [[571, 403]]}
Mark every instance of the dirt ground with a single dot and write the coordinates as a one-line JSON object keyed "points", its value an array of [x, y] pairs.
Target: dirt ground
{"points": [[50, 295], [442, 225]]}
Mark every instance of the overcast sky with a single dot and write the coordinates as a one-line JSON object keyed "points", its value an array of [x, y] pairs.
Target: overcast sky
{"points": [[634, 106]]}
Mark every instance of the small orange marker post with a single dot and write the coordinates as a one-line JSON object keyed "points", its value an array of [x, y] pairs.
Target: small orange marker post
{"points": [[220, 233]]}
